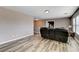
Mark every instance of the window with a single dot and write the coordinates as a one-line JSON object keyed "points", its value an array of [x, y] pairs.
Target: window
{"points": [[74, 25], [77, 24]]}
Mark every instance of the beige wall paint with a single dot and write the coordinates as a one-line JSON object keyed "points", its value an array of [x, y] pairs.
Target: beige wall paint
{"points": [[59, 23], [14, 25]]}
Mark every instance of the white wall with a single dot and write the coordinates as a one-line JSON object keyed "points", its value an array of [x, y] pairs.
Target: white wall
{"points": [[14, 25], [59, 23]]}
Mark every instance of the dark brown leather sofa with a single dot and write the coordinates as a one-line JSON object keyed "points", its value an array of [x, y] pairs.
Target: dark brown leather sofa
{"points": [[57, 34]]}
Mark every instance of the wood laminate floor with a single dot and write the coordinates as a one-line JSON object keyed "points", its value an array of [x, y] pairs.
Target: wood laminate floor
{"points": [[37, 44]]}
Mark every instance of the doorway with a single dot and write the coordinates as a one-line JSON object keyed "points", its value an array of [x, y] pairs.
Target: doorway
{"points": [[37, 25]]}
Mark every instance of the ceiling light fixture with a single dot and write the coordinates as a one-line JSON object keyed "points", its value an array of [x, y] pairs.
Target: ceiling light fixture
{"points": [[65, 13], [46, 11]]}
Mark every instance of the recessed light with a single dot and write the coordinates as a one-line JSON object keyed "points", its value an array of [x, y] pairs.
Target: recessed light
{"points": [[65, 13], [46, 11]]}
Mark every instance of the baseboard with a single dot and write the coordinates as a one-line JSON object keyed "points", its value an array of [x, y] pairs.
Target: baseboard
{"points": [[1, 43]]}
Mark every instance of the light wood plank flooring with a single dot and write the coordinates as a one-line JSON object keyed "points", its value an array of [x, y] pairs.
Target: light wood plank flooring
{"points": [[37, 44]]}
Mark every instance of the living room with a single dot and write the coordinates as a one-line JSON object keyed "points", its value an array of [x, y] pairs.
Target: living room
{"points": [[21, 28]]}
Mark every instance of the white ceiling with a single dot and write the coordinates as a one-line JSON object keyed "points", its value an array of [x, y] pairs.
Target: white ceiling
{"points": [[38, 11]]}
